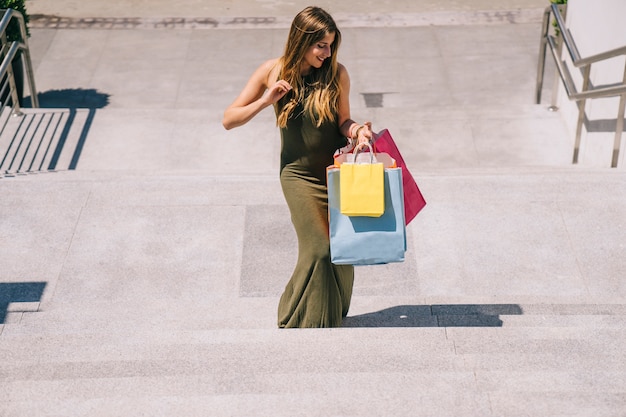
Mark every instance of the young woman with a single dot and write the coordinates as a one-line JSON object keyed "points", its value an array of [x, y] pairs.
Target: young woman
{"points": [[310, 92]]}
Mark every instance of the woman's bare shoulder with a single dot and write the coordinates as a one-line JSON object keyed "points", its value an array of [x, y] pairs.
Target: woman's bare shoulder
{"points": [[270, 63], [271, 69], [342, 72]]}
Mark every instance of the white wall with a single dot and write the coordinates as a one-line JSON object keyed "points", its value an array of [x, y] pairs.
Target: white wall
{"points": [[596, 26]]}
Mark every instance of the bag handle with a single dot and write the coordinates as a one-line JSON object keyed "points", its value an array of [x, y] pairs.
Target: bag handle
{"points": [[359, 146]]}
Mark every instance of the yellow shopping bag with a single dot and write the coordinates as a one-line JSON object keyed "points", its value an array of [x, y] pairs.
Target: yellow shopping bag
{"points": [[362, 188]]}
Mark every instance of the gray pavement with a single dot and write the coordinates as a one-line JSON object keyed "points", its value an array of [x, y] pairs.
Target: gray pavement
{"points": [[140, 275]]}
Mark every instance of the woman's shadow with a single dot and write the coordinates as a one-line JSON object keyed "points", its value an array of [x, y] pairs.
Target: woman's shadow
{"points": [[450, 315]]}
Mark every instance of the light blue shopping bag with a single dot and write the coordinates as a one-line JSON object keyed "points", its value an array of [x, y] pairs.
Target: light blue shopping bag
{"points": [[361, 240]]}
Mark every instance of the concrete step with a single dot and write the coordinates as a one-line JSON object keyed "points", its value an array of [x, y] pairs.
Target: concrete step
{"points": [[217, 313], [366, 371], [325, 394], [263, 13], [417, 349]]}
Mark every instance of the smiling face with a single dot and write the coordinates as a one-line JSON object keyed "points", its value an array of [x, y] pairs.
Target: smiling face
{"points": [[317, 53], [311, 49]]}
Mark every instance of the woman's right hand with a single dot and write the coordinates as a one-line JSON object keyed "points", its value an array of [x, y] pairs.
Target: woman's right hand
{"points": [[277, 91], [258, 94]]}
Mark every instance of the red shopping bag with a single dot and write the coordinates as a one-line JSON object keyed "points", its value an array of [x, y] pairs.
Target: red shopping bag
{"points": [[413, 199]]}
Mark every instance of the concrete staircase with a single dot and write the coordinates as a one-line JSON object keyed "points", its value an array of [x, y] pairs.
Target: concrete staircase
{"points": [[140, 272], [161, 293]]}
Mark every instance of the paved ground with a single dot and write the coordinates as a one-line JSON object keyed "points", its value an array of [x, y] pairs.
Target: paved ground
{"points": [[144, 247]]}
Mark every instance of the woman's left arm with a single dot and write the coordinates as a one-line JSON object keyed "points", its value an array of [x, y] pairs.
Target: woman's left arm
{"points": [[348, 127]]}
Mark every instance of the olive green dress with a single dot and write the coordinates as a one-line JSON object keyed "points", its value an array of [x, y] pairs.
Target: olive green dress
{"points": [[319, 292]]}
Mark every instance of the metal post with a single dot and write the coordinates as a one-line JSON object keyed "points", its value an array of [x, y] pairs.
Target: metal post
{"points": [[619, 126], [23, 48], [541, 65], [581, 113], [17, 111], [28, 64], [554, 105]]}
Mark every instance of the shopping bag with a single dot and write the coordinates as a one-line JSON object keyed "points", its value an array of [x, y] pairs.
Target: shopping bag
{"points": [[413, 199], [362, 186], [363, 240]]}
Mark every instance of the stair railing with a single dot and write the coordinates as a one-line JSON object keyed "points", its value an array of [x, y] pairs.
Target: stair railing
{"points": [[588, 91], [8, 52]]}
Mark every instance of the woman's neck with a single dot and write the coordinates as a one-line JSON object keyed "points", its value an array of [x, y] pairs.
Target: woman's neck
{"points": [[305, 69]]}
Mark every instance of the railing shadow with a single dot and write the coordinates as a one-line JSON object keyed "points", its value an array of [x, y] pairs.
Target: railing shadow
{"points": [[449, 315], [602, 125], [19, 292], [38, 140]]}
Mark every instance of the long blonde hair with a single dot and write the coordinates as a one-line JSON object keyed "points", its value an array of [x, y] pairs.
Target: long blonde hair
{"points": [[309, 26]]}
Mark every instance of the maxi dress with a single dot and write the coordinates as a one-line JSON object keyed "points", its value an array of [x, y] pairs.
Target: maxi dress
{"points": [[319, 292]]}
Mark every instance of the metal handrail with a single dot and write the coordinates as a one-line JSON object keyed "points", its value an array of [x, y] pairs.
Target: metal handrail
{"points": [[10, 52], [571, 45], [587, 91], [601, 56]]}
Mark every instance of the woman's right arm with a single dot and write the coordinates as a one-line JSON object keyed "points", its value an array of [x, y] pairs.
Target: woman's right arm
{"points": [[252, 98]]}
